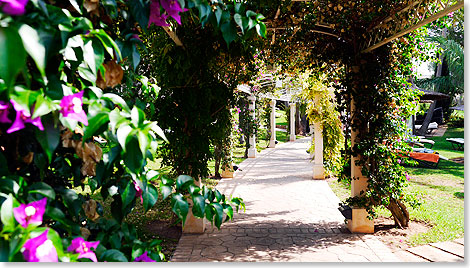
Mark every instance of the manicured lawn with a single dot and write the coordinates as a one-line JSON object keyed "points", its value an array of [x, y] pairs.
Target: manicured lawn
{"points": [[440, 190]]}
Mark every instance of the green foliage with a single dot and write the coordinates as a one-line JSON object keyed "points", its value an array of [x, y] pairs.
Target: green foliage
{"points": [[321, 109]]}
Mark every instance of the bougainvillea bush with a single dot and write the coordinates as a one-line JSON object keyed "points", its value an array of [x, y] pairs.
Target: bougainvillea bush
{"points": [[68, 139]]}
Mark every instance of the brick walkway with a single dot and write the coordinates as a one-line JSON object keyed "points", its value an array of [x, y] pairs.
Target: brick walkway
{"points": [[289, 217]]}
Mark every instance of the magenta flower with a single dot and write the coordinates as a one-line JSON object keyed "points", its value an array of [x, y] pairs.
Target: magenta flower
{"points": [[13, 7], [138, 192], [79, 245], [71, 107], [30, 213], [173, 9], [407, 176], [40, 249], [144, 258], [451, 14], [156, 17], [399, 161], [23, 116], [4, 112]]}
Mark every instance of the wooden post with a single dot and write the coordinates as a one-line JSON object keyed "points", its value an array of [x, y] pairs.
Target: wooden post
{"points": [[359, 222], [292, 121], [252, 150], [272, 140]]}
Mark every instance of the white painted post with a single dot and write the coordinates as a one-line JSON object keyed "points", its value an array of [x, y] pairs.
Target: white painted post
{"points": [[194, 225], [292, 121], [252, 150], [312, 153], [359, 222], [318, 169], [272, 140]]}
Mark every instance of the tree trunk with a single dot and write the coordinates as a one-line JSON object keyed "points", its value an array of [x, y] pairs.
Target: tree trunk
{"points": [[427, 120], [399, 212], [217, 158]]}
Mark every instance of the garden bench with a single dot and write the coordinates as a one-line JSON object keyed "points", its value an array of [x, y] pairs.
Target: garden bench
{"points": [[457, 143], [426, 157], [420, 141], [432, 126]]}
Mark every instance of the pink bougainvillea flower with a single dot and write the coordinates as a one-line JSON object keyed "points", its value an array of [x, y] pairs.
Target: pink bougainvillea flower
{"points": [[138, 192], [13, 7], [23, 116], [40, 249], [4, 112], [156, 17], [173, 9], [30, 213], [79, 245], [407, 176], [144, 258], [72, 107]]}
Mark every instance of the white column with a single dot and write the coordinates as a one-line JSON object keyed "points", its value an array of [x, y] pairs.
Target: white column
{"points": [[318, 169], [359, 222], [312, 153], [272, 140], [252, 149], [194, 225], [292, 121]]}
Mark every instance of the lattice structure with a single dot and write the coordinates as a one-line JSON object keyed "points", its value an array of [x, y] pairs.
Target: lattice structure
{"points": [[407, 19]]}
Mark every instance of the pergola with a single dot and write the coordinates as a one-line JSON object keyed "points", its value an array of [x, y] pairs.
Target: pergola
{"points": [[401, 20]]}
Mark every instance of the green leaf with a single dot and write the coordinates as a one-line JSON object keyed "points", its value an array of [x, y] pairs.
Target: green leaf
{"points": [[42, 189], [4, 250], [229, 211], [137, 116], [43, 106], [239, 21], [71, 201], [94, 124], [35, 43], [123, 135], [260, 17], [229, 32], [24, 97], [155, 128], [144, 142], [261, 29], [115, 241], [116, 99], [165, 190], [49, 138], [6, 214], [128, 194], [113, 255], [12, 55], [218, 196], [9, 186], [140, 11], [152, 175], [218, 14], [199, 204], [250, 13], [219, 214], [108, 43], [183, 181], [180, 207], [209, 212], [150, 197], [55, 213], [133, 157], [135, 57]]}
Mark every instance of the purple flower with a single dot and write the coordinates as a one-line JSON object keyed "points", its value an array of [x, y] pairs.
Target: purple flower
{"points": [[421, 43], [4, 112], [155, 16], [13, 7], [143, 258], [30, 213], [138, 192], [79, 245], [451, 14], [40, 249], [173, 9], [407, 176], [71, 107], [23, 116], [399, 161]]}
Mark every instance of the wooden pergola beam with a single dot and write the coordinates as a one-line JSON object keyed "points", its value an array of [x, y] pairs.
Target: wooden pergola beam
{"points": [[432, 18], [173, 36]]}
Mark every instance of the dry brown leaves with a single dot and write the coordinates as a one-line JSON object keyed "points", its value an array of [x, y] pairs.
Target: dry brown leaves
{"points": [[89, 152], [90, 209], [112, 77], [92, 6]]}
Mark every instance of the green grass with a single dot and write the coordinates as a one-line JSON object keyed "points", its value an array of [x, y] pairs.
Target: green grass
{"points": [[282, 120], [440, 190]]}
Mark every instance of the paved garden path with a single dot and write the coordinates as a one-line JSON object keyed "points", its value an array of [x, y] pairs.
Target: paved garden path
{"points": [[289, 217]]}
